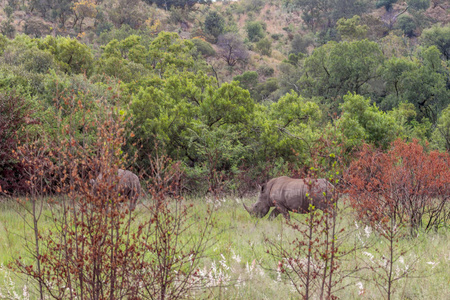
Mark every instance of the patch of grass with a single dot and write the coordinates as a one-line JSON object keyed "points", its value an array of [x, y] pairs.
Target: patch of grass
{"points": [[237, 266]]}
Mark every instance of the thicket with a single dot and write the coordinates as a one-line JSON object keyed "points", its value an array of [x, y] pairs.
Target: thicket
{"points": [[97, 247], [179, 93]]}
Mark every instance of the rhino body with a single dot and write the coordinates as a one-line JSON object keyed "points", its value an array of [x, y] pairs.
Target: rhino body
{"points": [[128, 185], [288, 194]]}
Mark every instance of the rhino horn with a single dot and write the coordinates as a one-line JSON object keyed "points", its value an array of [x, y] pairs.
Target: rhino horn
{"points": [[247, 209]]}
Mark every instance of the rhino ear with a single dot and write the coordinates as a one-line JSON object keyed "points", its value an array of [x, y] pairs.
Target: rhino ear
{"points": [[262, 188]]}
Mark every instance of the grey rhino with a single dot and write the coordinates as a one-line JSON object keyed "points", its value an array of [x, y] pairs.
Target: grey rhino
{"points": [[128, 185], [288, 194]]}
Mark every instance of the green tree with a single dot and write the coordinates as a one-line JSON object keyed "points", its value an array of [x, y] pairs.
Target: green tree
{"points": [[247, 80], [300, 43], [255, 30], [438, 36], [287, 128], [419, 4], [441, 135], [407, 24], [264, 47], [362, 121], [392, 73], [335, 69], [214, 24], [421, 80], [167, 4], [73, 56], [178, 109], [351, 29], [386, 3], [426, 85]]}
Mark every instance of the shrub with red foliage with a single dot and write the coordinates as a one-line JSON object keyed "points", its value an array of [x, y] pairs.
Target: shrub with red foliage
{"points": [[14, 114], [406, 185]]}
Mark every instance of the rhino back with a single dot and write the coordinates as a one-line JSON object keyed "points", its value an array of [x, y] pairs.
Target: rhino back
{"points": [[129, 182], [291, 193]]}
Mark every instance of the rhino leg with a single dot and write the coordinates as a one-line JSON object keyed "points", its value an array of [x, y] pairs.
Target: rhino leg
{"points": [[279, 210], [275, 212]]}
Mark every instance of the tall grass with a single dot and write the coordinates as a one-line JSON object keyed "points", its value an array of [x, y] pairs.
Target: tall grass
{"points": [[238, 267]]}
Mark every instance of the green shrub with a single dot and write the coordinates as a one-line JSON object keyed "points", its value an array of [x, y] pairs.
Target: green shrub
{"points": [[255, 30], [419, 4], [276, 36], [203, 48], [406, 24], [214, 24], [266, 71], [386, 3], [264, 47]]}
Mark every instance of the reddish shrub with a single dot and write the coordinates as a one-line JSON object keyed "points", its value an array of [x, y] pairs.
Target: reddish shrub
{"points": [[405, 184], [14, 115]]}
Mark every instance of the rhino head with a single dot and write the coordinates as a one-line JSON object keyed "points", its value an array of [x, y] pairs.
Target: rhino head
{"points": [[262, 206]]}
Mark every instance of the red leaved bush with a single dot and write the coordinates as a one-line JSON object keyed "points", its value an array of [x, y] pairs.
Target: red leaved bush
{"points": [[406, 184], [14, 114]]}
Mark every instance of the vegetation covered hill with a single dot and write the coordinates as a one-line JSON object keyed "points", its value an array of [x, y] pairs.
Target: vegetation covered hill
{"points": [[208, 99], [227, 86]]}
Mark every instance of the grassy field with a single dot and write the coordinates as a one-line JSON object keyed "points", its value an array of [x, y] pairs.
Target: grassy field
{"points": [[238, 267]]}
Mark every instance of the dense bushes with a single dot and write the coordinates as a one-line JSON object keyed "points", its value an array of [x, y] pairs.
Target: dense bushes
{"points": [[14, 115]]}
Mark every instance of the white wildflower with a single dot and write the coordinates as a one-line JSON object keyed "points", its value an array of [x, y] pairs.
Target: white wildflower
{"points": [[223, 262], [433, 264], [370, 255], [361, 288], [368, 231], [237, 258]]}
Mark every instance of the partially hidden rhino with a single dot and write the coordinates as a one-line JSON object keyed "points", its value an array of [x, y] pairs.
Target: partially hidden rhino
{"points": [[128, 185], [288, 194]]}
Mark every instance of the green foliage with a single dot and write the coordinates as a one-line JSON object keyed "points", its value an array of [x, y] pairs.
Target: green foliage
{"points": [[405, 118], [441, 135], [265, 70], [438, 36], [351, 29], [169, 51], [426, 85], [72, 56], [7, 28], [287, 128], [248, 80], [421, 81], [214, 24], [386, 3], [265, 89], [323, 14], [335, 69], [419, 4], [3, 43], [253, 5], [392, 73], [264, 46], [167, 4], [407, 24], [361, 121], [203, 48], [255, 30], [300, 43], [175, 111]]}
